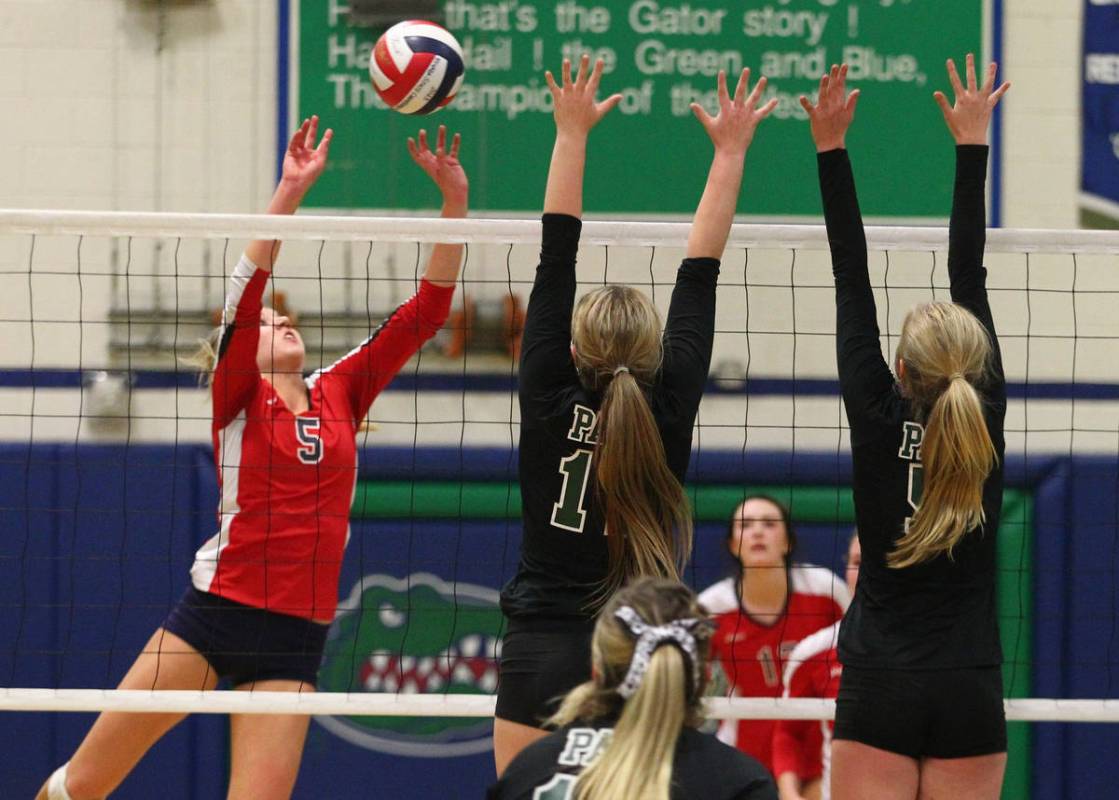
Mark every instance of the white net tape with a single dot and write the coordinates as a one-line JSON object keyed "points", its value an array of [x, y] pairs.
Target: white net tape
{"points": [[422, 229], [463, 705]]}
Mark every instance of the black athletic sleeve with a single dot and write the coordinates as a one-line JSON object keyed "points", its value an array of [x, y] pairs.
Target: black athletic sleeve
{"points": [[864, 377], [546, 343], [967, 236], [689, 332]]}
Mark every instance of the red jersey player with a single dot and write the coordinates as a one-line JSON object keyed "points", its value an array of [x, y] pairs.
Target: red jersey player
{"points": [[802, 748], [764, 611], [264, 588]]}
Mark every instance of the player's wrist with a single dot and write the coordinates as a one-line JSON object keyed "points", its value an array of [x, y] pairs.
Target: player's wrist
{"points": [[454, 208]]}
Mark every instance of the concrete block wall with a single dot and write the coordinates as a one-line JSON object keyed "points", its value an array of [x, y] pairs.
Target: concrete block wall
{"points": [[1041, 114], [107, 112]]}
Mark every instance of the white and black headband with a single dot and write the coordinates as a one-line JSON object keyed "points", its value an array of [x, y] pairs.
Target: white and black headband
{"points": [[679, 632]]}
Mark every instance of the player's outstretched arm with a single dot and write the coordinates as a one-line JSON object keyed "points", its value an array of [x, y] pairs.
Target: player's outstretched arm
{"points": [[969, 119], [304, 161], [442, 165], [863, 373], [576, 112], [731, 131]]}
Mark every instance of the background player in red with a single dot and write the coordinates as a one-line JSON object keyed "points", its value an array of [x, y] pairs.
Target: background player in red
{"points": [[763, 610], [802, 748], [264, 588]]}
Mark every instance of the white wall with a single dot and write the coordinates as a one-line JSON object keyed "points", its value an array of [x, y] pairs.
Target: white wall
{"points": [[99, 119], [1041, 115], [94, 110]]}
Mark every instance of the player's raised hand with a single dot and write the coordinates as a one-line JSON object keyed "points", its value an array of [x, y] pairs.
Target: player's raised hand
{"points": [[833, 112], [732, 129], [304, 161], [443, 167], [576, 110], [970, 116]]}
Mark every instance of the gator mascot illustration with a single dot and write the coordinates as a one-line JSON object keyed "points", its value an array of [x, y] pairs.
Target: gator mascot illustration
{"points": [[417, 634]]}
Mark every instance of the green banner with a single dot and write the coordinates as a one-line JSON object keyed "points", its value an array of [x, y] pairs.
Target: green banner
{"points": [[650, 156]]}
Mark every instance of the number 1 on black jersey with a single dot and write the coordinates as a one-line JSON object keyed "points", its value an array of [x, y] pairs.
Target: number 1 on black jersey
{"points": [[569, 513]]}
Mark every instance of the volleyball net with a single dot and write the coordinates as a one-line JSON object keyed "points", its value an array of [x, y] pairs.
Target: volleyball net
{"points": [[107, 482]]}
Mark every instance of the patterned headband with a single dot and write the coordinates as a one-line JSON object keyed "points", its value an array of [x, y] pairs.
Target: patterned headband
{"points": [[679, 632]]}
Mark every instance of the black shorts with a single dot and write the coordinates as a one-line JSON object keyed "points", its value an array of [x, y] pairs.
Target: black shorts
{"points": [[954, 713], [538, 667], [244, 643]]}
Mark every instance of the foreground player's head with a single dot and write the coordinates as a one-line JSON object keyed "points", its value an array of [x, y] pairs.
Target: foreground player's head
{"points": [[616, 343], [649, 658], [280, 348], [761, 533], [943, 354]]}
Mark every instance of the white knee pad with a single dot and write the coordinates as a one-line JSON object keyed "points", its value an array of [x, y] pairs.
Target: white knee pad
{"points": [[56, 786]]}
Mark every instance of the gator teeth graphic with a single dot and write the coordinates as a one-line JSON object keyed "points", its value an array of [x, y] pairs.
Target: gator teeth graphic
{"points": [[473, 662]]}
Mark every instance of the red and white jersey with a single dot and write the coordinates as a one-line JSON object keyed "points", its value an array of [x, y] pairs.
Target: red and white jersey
{"points": [[287, 480], [804, 746], [753, 655]]}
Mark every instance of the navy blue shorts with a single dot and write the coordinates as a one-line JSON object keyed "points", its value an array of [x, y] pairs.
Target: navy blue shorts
{"points": [[951, 713], [539, 667], [244, 643]]}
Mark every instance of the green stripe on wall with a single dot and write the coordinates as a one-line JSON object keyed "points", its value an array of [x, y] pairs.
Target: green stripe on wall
{"points": [[1016, 612], [480, 500]]}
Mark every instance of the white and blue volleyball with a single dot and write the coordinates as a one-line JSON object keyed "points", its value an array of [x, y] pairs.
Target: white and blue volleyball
{"points": [[416, 67]]}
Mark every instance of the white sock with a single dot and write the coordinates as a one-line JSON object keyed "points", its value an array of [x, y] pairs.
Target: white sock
{"points": [[56, 786]]}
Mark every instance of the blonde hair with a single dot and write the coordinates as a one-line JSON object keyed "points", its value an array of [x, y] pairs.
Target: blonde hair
{"points": [[205, 357], [946, 352], [616, 334], [637, 762]]}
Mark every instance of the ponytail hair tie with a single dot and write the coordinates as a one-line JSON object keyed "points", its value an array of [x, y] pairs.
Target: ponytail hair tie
{"points": [[620, 370], [680, 633]]}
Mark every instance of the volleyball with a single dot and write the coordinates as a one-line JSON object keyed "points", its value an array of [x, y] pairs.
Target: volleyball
{"points": [[416, 67]]}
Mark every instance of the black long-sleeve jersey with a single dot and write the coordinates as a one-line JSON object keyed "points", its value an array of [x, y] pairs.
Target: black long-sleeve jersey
{"points": [[940, 613], [563, 554], [703, 768]]}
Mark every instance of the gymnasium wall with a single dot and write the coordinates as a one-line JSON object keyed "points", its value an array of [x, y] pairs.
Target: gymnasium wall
{"points": [[109, 113], [113, 117]]}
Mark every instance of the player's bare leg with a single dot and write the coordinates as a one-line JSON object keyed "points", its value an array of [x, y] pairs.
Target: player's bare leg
{"points": [[118, 740], [978, 777], [267, 748], [510, 738], [862, 772]]}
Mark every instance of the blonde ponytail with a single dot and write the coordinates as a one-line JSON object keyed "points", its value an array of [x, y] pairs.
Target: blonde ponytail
{"points": [[946, 351], [616, 335], [637, 761], [648, 518]]}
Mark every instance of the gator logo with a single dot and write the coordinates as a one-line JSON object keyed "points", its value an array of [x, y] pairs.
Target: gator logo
{"points": [[416, 634]]}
